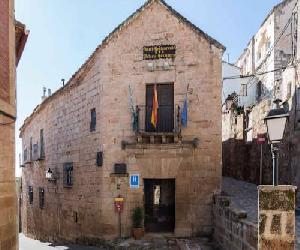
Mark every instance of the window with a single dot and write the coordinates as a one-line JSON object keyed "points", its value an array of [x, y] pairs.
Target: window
{"points": [[35, 154], [68, 174], [258, 91], [42, 197], [42, 146], [30, 194], [99, 160], [30, 149], [25, 155], [244, 90], [268, 45], [93, 120]]}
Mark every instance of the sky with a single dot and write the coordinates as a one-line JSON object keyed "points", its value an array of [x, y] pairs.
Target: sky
{"points": [[63, 33]]}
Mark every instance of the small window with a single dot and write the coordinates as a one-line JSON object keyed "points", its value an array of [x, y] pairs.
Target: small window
{"points": [[297, 109], [42, 146], [244, 90], [68, 174], [99, 160], [35, 148], [30, 149], [25, 155], [42, 197], [30, 194], [259, 91], [93, 120]]}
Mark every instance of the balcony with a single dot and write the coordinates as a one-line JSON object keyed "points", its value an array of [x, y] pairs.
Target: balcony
{"points": [[168, 125]]}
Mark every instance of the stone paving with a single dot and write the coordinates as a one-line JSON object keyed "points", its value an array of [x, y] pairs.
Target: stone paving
{"points": [[155, 241], [244, 196]]}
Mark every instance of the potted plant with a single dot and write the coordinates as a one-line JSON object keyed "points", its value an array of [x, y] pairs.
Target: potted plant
{"points": [[137, 220]]}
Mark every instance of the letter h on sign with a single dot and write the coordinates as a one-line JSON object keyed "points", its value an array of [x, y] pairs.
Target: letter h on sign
{"points": [[134, 181]]}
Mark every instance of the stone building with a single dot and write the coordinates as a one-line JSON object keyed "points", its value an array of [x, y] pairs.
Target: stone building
{"points": [[96, 139], [269, 61], [13, 37]]}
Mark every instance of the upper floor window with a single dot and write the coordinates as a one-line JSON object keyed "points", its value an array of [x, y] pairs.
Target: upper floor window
{"points": [[42, 197], [42, 146], [93, 120], [30, 194], [30, 149], [25, 155], [68, 174]]}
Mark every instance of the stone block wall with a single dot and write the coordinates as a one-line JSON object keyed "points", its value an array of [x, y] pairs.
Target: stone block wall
{"points": [[87, 209], [232, 230], [8, 196]]}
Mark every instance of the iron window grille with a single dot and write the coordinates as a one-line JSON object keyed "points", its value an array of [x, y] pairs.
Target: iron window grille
{"points": [[99, 160], [68, 174], [30, 194], [42, 197]]}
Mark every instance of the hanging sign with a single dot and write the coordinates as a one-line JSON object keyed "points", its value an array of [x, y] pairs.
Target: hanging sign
{"points": [[159, 52]]}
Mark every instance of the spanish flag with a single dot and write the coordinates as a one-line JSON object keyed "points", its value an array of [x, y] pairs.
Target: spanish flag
{"points": [[154, 107]]}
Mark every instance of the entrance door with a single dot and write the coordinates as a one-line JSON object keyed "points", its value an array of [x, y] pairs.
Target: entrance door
{"points": [[159, 205], [165, 114]]}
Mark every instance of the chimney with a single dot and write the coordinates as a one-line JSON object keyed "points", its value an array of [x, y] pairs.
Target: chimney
{"points": [[49, 92], [63, 81], [44, 93]]}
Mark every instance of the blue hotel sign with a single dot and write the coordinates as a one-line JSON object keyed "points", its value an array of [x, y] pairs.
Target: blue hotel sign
{"points": [[134, 181]]}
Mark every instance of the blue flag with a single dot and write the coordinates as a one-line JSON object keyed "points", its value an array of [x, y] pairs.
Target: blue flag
{"points": [[184, 113]]}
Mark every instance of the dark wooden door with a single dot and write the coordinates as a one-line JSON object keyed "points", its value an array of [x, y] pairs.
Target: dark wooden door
{"points": [[165, 116], [159, 207]]}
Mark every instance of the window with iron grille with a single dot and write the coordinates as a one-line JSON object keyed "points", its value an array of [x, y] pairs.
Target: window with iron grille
{"points": [[30, 194], [42, 197], [42, 146], [93, 120], [68, 174]]}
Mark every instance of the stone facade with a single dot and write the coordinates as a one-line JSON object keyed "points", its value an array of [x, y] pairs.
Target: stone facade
{"points": [[232, 230], [276, 217], [85, 212], [9, 31]]}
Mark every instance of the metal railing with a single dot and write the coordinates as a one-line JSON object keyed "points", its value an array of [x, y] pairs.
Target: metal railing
{"points": [[168, 119]]}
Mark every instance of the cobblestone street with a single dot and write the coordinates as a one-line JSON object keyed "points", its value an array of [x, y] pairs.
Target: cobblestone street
{"points": [[148, 242], [244, 196]]}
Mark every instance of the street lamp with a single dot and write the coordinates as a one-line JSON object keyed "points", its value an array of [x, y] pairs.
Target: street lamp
{"points": [[276, 122]]}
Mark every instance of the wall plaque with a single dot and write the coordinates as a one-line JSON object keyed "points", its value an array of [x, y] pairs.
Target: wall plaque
{"points": [[159, 52]]}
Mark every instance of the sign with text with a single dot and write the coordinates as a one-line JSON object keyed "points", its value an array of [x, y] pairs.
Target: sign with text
{"points": [[119, 204], [134, 181], [261, 139], [159, 52]]}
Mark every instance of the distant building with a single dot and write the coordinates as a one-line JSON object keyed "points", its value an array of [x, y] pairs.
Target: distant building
{"points": [[270, 61], [96, 138], [234, 83], [13, 37]]}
